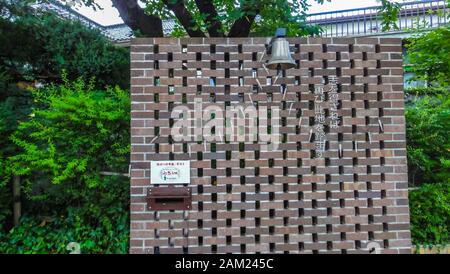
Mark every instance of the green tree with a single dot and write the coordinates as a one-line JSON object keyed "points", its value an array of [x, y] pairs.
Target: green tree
{"points": [[38, 45], [427, 132], [428, 114], [224, 18], [429, 57], [428, 145], [389, 13], [70, 133], [216, 18]]}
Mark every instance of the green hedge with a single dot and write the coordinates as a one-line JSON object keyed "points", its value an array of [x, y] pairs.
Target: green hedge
{"points": [[41, 235], [428, 142], [430, 214]]}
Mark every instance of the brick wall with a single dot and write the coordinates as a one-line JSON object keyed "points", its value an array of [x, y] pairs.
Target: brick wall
{"points": [[285, 201]]}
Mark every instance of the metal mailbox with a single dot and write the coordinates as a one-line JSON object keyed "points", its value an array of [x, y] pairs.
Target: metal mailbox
{"points": [[169, 198]]}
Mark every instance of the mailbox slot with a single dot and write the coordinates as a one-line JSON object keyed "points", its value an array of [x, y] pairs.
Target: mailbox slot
{"points": [[169, 198]]}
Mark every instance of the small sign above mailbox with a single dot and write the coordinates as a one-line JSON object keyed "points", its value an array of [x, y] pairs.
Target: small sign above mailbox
{"points": [[170, 172]]}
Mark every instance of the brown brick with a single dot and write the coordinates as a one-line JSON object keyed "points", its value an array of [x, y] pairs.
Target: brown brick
{"points": [[273, 201]]}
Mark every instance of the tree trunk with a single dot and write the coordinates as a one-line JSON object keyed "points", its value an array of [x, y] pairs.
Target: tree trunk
{"points": [[134, 16], [242, 26], [16, 198], [184, 17]]}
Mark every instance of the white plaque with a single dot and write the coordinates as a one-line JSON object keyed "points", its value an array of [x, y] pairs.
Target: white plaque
{"points": [[170, 172]]}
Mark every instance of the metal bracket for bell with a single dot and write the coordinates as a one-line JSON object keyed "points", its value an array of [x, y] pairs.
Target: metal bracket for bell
{"points": [[280, 55]]}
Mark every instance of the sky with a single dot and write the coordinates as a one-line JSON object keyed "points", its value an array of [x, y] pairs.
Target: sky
{"points": [[110, 16]]}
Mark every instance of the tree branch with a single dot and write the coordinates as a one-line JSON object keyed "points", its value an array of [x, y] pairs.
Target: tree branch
{"points": [[214, 26], [241, 27], [185, 18], [134, 16]]}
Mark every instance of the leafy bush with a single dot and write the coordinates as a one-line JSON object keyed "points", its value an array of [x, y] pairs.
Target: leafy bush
{"points": [[429, 56], [74, 134], [428, 143], [100, 224], [53, 234], [430, 214], [426, 91]]}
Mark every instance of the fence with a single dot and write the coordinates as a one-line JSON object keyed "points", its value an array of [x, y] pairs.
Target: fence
{"points": [[367, 21]]}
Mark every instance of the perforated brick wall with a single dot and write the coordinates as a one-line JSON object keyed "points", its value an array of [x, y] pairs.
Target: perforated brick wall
{"points": [[246, 200]]}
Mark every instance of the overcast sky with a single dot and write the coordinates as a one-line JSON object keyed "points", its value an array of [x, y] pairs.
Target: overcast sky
{"points": [[110, 16]]}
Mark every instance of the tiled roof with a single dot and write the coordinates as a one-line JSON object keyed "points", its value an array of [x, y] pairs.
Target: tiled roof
{"points": [[116, 33]]}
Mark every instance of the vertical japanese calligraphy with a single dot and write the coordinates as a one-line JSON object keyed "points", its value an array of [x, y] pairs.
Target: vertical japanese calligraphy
{"points": [[320, 92], [333, 102], [319, 119]]}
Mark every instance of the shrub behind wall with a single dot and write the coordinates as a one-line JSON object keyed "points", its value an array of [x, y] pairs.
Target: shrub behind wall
{"points": [[430, 214]]}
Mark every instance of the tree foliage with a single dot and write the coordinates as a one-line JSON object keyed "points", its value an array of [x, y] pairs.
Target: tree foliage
{"points": [[428, 115], [291, 16], [429, 57], [227, 18], [62, 136], [428, 145], [37, 45], [51, 145], [106, 231], [240, 18], [430, 214], [74, 134], [219, 18], [389, 13], [427, 134]]}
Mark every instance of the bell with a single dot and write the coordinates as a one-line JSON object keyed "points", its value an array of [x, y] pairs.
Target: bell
{"points": [[281, 56]]}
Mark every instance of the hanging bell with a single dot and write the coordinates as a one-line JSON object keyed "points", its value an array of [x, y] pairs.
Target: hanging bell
{"points": [[280, 54]]}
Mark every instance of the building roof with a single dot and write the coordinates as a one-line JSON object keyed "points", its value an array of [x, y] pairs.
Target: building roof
{"points": [[116, 33]]}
